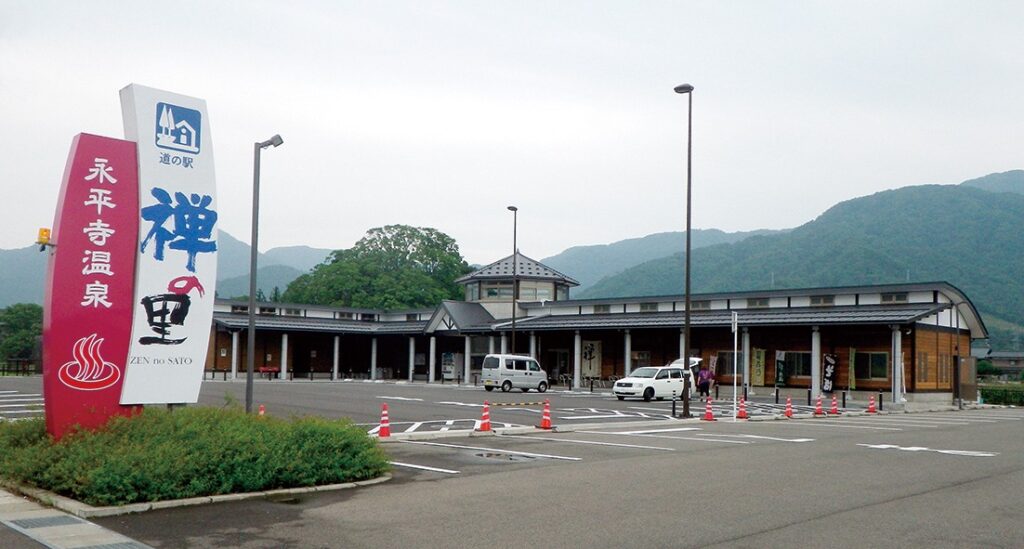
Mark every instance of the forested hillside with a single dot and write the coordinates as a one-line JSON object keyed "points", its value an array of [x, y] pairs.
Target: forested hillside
{"points": [[969, 237]]}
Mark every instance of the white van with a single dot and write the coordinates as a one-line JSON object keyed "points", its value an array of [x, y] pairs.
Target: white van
{"points": [[513, 371]]}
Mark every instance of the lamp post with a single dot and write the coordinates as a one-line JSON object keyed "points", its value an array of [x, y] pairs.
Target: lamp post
{"points": [[250, 358], [688, 90], [515, 272]]}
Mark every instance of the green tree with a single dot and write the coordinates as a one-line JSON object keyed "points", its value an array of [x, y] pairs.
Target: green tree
{"points": [[391, 267], [20, 326]]}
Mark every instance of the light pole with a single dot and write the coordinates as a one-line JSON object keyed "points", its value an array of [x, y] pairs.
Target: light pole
{"points": [[515, 273], [688, 90], [250, 358]]}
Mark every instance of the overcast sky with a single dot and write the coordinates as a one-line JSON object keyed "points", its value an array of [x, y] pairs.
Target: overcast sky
{"points": [[441, 114]]}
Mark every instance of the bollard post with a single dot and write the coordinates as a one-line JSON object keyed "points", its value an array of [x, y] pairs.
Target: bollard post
{"points": [[879, 400], [311, 374], [744, 392], [591, 385], [716, 391], [686, 397], [673, 404], [844, 399], [808, 397], [776, 395]]}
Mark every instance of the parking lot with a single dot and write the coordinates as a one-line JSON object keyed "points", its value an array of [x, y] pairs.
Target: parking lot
{"points": [[617, 474]]}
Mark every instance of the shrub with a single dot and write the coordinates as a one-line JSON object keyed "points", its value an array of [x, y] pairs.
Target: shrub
{"points": [[1007, 394], [986, 368], [190, 452]]}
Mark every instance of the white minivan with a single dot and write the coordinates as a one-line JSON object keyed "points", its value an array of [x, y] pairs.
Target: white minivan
{"points": [[513, 371]]}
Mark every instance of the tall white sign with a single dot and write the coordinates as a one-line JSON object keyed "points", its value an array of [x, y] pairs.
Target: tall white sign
{"points": [[176, 269]]}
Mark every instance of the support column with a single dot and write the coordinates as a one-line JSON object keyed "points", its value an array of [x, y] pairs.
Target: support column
{"points": [[412, 356], [504, 343], [815, 362], [577, 362], [533, 345], [629, 352], [284, 356], [467, 359], [432, 361], [234, 354], [337, 357], [373, 358], [490, 345], [897, 364], [746, 361], [682, 344]]}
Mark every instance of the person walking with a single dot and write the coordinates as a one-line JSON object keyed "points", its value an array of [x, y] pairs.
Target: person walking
{"points": [[704, 380]]}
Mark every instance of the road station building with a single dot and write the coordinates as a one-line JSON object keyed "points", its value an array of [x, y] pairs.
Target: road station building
{"points": [[908, 340]]}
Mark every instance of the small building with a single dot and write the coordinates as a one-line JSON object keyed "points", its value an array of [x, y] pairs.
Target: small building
{"points": [[902, 339]]}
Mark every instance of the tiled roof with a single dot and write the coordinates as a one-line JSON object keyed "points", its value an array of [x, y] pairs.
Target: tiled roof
{"points": [[526, 269], [304, 324], [809, 316]]}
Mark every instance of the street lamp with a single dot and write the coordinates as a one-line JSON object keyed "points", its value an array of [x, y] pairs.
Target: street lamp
{"points": [[688, 90], [515, 273], [251, 340]]}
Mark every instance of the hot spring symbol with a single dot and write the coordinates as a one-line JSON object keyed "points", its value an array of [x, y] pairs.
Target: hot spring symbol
{"points": [[88, 371]]}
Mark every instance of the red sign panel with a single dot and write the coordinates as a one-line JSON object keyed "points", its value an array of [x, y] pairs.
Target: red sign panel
{"points": [[87, 316]]}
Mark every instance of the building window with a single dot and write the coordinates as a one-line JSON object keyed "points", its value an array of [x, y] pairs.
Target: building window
{"points": [[922, 368], [702, 305], [240, 309], [529, 294], [292, 312], [757, 302], [798, 364], [822, 300], [369, 317], [562, 293], [268, 310], [602, 309], [725, 361], [641, 359], [498, 290], [897, 297], [473, 291], [871, 365], [340, 315], [543, 294], [648, 307], [412, 317]]}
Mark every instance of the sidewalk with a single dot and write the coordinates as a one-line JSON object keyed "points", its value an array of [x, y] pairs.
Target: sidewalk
{"points": [[24, 523]]}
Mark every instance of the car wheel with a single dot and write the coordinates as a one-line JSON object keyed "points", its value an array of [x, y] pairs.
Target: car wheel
{"points": [[506, 387], [542, 387], [621, 397], [488, 388], [661, 398], [648, 394]]}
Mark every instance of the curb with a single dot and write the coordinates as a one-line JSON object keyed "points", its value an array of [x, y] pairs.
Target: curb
{"points": [[86, 511]]}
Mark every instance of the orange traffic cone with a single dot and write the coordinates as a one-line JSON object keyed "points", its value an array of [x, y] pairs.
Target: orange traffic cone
{"points": [[817, 407], [789, 406], [385, 422], [545, 418], [709, 414], [742, 414], [835, 406], [485, 419], [871, 405], [263, 409]]}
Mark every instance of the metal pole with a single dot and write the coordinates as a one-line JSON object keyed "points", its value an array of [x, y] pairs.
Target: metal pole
{"points": [[251, 338], [735, 356], [689, 166], [515, 275]]}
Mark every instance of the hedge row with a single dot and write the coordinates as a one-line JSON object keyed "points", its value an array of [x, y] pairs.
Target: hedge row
{"points": [[1003, 395], [191, 452]]}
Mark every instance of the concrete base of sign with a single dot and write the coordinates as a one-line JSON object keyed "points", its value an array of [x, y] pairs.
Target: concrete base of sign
{"points": [[87, 511]]}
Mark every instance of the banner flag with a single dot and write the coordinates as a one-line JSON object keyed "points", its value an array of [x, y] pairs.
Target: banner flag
{"points": [[780, 368]]}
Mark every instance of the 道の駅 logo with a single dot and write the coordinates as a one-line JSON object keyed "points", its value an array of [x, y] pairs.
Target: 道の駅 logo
{"points": [[178, 128]]}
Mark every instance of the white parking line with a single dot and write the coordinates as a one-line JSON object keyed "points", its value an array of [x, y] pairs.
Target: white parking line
{"points": [[495, 450], [16, 405], [424, 467], [827, 424], [448, 425], [21, 411], [866, 421], [16, 394], [758, 437], [400, 398], [670, 430], [644, 434], [931, 422], [470, 404], [22, 400], [594, 442], [970, 453], [413, 427]]}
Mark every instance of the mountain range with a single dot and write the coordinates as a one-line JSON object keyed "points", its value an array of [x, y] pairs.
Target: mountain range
{"points": [[967, 234]]}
